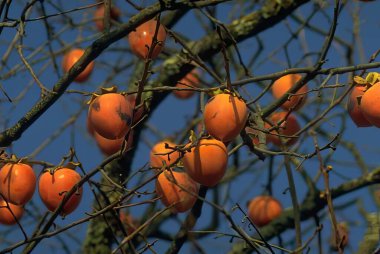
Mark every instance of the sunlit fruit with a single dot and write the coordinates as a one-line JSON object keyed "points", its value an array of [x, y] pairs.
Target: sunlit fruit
{"points": [[99, 16], [176, 190], [207, 162], [289, 127], [141, 39], [160, 155], [354, 110], [282, 85], [53, 187], [189, 81], [370, 104], [71, 58], [9, 215], [225, 116], [110, 115], [263, 209], [17, 183], [111, 146], [342, 229]]}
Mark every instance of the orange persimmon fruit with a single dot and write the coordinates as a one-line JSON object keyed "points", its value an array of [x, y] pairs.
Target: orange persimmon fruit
{"points": [[354, 109], [160, 155], [111, 146], [282, 85], [206, 163], [370, 104], [70, 58], [17, 183], [176, 189], [53, 187], [110, 115], [99, 16], [9, 214], [189, 81], [225, 116], [288, 127], [263, 209], [141, 39]]}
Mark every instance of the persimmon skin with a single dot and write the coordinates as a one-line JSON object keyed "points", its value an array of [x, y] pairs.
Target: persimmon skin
{"points": [[370, 104], [6, 216], [189, 81], [53, 188], [263, 209], [282, 85], [225, 116], [111, 146], [140, 40], [168, 189], [289, 127], [17, 183], [110, 115], [99, 16], [207, 162], [70, 58], [354, 109], [158, 161]]}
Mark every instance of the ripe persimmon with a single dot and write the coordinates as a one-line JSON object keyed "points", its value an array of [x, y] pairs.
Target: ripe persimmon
{"points": [[141, 39], [160, 155], [71, 58], [263, 209], [9, 214], [189, 81], [207, 162], [99, 16], [110, 115], [53, 187], [354, 109], [176, 189], [111, 146], [370, 104], [282, 85], [17, 183], [288, 127], [225, 116]]}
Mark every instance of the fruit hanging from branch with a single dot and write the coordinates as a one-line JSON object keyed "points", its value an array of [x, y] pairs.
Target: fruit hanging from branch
{"points": [[142, 40], [225, 116], [176, 190]]}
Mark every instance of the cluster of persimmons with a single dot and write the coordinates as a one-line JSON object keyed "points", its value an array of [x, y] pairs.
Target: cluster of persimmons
{"points": [[181, 168], [18, 183]]}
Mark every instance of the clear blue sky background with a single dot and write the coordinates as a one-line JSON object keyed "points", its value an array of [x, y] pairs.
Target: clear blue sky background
{"points": [[171, 116]]}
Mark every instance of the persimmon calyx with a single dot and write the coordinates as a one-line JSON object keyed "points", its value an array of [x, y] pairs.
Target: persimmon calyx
{"points": [[372, 78], [104, 90]]}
